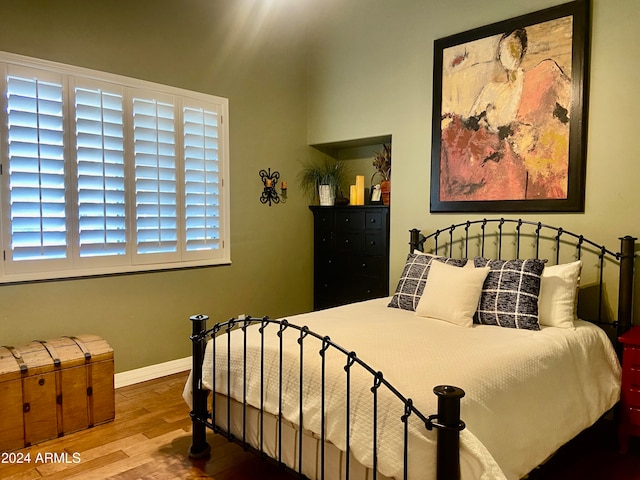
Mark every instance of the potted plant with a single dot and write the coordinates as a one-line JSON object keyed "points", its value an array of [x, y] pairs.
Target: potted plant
{"points": [[323, 180], [382, 164]]}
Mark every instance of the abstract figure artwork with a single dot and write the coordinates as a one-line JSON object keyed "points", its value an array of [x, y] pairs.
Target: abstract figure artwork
{"points": [[509, 114]]}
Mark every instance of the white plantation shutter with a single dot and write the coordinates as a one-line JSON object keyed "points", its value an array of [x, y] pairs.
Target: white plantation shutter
{"points": [[103, 174], [202, 189], [35, 137], [100, 172], [155, 176]]}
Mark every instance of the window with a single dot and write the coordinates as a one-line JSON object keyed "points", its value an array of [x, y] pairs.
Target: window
{"points": [[105, 174], [154, 145], [202, 180], [100, 173]]}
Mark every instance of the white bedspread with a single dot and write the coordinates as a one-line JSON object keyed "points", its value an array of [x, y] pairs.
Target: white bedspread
{"points": [[527, 392]]}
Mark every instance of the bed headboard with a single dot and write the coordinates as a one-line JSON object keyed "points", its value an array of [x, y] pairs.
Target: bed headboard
{"points": [[606, 288]]}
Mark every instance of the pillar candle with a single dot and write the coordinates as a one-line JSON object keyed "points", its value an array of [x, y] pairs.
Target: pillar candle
{"points": [[352, 195], [360, 190]]}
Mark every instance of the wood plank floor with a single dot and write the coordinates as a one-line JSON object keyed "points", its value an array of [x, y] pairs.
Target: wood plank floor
{"points": [[150, 438]]}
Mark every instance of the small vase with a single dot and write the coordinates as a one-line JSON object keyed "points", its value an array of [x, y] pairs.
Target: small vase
{"points": [[385, 188], [327, 195]]}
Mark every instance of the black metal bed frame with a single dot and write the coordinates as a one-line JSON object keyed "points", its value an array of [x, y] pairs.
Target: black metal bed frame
{"points": [[625, 258], [447, 419]]}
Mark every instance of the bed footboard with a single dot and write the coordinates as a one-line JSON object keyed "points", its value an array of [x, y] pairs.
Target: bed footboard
{"points": [[199, 446], [446, 421]]}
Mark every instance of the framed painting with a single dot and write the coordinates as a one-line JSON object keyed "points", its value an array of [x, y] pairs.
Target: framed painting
{"points": [[509, 114]]}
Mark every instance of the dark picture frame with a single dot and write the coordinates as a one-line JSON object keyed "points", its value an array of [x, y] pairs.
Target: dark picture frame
{"points": [[510, 114]]}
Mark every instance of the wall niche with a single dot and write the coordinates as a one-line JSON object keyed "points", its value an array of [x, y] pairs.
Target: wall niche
{"points": [[359, 154]]}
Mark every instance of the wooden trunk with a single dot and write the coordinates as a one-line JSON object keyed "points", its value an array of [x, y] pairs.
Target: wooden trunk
{"points": [[54, 387]]}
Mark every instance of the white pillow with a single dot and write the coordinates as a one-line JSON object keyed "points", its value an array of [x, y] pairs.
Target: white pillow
{"points": [[452, 293], [559, 294]]}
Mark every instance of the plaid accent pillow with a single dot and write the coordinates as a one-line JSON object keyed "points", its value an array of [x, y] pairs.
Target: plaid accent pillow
{"points": [[414, 277], [510, 293]]}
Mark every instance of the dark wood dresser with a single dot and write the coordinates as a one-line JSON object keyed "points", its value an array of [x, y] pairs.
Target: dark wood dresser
{"points": [[351, 254], [630, 394]]}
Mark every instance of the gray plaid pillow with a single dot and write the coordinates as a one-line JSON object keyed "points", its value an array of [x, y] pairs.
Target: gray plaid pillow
{"points": [[414, 277], [510, 293]]}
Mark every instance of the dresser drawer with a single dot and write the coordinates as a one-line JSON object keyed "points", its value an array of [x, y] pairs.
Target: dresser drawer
{"points": [[631, 397], [329, 265], [634, 416], [631, 367], [367, 265], [350, 220], [349, 242], [323, 241], [369, 287], [375, 244], [374, 220], [631, 377], [323, 220], [631, 357], [326, 286]]}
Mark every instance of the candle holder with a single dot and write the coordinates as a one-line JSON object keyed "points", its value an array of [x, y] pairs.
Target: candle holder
{"points": [[270, 181]]}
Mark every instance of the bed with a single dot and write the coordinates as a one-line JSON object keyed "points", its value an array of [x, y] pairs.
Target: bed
{"points": [[478, 366]]}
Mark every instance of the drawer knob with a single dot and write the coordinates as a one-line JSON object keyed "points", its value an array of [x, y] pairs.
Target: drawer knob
{"points": [[373, 242], [346, 241], [373, 220], [346, 220], [364, 265]]}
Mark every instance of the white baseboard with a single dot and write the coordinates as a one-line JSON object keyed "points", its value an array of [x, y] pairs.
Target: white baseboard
{"points": [[152, 372]]}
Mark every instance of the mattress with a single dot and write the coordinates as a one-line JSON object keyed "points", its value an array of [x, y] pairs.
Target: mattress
{"points": [[527, 392]]}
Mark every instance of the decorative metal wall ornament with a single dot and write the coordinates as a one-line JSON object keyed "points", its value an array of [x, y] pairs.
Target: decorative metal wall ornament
{"points": [[270, 181]]}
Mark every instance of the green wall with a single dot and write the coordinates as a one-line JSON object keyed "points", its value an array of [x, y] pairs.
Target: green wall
{"points": [[371, 69], [366, 72], [253, 53]]}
